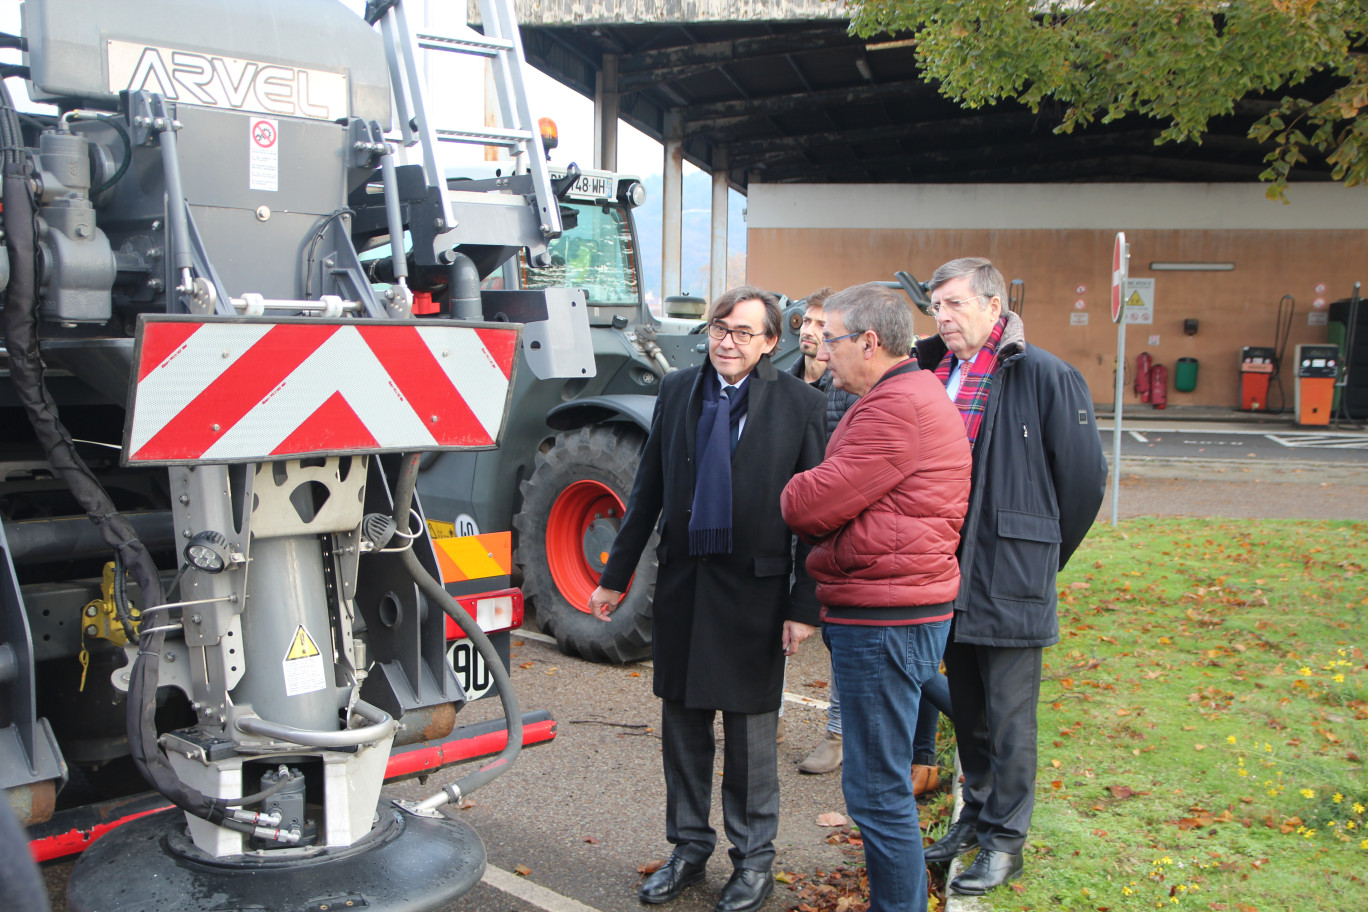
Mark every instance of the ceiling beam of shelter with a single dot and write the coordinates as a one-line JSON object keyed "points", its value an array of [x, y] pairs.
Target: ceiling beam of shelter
{"points": [[642, 71], [711, 115], [930, 132]]}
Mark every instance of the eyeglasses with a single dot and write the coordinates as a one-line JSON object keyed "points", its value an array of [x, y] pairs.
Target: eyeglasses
{"points": [[955, 305], [827, 342], [739, 336]]}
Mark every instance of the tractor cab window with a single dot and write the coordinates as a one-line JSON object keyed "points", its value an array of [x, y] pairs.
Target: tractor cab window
{"points": [[596, 255]]}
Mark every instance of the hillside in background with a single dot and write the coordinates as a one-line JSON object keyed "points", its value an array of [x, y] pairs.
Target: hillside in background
{"points": [[697, 235]]}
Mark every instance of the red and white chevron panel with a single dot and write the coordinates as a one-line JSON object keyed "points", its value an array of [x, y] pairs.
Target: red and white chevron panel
{"points": [[226, 390]]}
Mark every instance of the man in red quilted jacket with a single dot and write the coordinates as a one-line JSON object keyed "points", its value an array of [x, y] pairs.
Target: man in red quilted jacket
{"points": [[883, 511]]}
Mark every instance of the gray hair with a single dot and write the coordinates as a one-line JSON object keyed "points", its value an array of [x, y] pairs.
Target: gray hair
{"points": [[877, 307], [984, 278]]}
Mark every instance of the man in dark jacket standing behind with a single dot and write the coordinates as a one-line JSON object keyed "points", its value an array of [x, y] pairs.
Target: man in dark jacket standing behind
{"points": [[884, 512], [725, 439], [1039, 477]]}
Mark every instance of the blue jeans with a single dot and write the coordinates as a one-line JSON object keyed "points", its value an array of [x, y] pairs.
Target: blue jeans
{"points": [[935, 700], [880, 672]]}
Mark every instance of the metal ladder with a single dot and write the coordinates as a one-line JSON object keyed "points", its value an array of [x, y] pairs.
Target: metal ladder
{"points": [[502, 44]]}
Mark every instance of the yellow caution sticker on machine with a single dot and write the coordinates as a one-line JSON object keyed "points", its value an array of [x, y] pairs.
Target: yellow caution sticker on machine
{"points": [[304, 668], [303, 645], [439, 529]]}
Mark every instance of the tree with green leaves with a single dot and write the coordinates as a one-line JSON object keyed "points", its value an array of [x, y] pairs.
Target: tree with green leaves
{"points": [[1181, 62]]}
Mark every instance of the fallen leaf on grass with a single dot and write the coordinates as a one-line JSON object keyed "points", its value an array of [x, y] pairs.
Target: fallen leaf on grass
{"points": [[830, 819], [1192, 823], [1121, 791]]}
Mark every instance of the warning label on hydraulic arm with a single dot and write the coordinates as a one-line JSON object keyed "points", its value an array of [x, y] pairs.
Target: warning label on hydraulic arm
{"points": [[303, 664]]}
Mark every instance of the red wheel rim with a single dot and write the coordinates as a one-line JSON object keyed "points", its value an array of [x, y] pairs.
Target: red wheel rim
{"points": [[577, 508]]}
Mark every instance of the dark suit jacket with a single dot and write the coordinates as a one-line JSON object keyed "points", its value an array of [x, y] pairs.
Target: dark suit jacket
{"points": [[718, 619]]}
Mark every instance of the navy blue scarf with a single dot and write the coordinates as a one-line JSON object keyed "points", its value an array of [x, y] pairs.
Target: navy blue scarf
{"points": [[710, 524]]}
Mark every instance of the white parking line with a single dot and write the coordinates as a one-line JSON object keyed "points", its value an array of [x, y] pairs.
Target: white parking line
{"points": [[1324, 441], [530, 892], [1136, 435]]}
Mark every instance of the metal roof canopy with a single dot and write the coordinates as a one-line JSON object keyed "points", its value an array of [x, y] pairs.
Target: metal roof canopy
{"points": [[779, 91]]}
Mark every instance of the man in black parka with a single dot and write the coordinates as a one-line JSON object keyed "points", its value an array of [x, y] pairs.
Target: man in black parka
{"points": [[1037, 483], [725, 439]]}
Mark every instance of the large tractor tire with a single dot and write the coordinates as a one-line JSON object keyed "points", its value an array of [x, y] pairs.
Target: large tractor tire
{"points": [[572, 507]]}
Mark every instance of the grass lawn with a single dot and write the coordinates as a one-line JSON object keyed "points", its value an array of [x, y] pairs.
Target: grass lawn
{"points": [[1204, 723]]}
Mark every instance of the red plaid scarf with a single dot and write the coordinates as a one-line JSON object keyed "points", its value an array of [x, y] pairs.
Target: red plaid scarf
{"points": [[972, 399]]}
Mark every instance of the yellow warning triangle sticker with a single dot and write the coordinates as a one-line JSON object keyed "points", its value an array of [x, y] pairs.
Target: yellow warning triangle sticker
{"points": [[1135, 300], [303, 646]]}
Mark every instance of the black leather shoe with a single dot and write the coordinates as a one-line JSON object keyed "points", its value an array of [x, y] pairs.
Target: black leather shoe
{"points": [[670, 879], [990, 869], [960, 839], [746, 891]]}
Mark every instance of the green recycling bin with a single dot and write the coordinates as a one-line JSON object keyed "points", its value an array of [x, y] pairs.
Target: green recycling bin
{"points": [[1185, 378]]}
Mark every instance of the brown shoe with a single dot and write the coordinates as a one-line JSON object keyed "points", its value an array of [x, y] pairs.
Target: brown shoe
{"points": [[924, 779], [825, 757]]}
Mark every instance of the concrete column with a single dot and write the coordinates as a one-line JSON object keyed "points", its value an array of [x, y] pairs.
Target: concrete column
{"points": [[672, 205], [717, 268], [606, 114]]}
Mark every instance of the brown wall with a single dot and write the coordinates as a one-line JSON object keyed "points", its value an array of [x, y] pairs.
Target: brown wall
{"points": [[1235, 308]]}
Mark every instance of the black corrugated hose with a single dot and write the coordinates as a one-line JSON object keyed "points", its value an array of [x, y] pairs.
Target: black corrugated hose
{"points": [[436, 592]]}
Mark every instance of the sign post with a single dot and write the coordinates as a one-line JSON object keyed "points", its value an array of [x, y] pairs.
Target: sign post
{"points": [[1120, 268]]}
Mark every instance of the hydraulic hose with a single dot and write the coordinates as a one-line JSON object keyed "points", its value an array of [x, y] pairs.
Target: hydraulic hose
{"points": [[382, 726], [434, 591]]}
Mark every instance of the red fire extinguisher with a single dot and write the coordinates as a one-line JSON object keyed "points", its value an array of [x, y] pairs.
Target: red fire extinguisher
{"points": [[1142, 376], [1159, 386]]}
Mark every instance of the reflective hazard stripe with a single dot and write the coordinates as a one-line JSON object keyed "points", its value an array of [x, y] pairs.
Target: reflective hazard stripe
{"points": [[235, 391], [475, 556]]}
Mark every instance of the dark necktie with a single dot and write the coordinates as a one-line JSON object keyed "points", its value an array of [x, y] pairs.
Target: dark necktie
{"points": [[728, 392]]}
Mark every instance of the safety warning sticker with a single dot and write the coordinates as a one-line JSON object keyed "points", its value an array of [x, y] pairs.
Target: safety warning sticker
{"points": [[264, 154], [304, 668]]}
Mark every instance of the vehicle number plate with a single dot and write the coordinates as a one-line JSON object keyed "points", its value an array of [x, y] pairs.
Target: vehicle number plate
{"points": [[593, 186], [472, 672]]}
